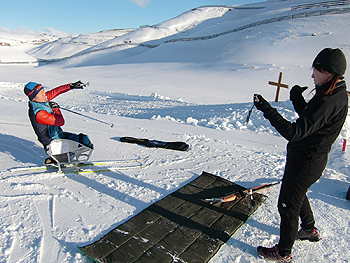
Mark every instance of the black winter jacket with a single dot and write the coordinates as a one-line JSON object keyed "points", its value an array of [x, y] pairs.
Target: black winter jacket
{"points": [[319, 124]]}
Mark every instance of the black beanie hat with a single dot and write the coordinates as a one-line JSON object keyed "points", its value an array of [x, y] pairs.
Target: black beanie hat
{"points": [[331, 60]]}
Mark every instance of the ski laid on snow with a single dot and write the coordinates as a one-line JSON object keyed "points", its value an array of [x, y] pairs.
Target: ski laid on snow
{"points": [[80, 165], [240, 194], [111, 169], [78, 170], [179, 146]]}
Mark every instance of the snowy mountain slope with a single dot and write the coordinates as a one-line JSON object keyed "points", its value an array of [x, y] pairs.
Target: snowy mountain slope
{"points": [[67, 46], [15, 44], [195, 91], [160, 31], [206, 22], [43, 45], [24, 37], [108, 38]]}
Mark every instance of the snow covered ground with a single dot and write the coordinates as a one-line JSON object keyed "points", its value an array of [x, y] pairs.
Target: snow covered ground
{"points": [[198, 92]]}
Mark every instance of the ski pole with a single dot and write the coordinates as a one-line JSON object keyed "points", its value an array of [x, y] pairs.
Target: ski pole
{"points": [[87, 117], [249, 113]]}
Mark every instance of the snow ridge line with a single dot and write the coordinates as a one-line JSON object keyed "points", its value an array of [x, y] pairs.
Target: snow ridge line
{"points": [[231, 7], [267, 21]]}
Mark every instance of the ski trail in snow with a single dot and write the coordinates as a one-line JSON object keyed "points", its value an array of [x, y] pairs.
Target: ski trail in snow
{"points": [[7, 229], [15, 238], [27, 235], [48, 245]]}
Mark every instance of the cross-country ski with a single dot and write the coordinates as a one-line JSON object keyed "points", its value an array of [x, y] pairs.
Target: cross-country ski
{"points": [[80, 165]]}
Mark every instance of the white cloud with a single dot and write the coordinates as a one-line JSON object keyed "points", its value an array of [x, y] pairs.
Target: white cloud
{"points": [[142, 3], [55, 33]]}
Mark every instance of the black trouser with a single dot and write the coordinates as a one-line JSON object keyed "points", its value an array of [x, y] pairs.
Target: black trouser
{"points": [[300, 173]]}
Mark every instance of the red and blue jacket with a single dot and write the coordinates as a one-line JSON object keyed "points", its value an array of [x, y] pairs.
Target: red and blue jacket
{"points": [[46, 121]]}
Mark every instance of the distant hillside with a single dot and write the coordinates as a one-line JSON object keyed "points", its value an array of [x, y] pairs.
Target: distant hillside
{"points": [[226, 30]]}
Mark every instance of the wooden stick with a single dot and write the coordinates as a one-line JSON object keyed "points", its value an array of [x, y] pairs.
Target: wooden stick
{"points": [[279, 85]]}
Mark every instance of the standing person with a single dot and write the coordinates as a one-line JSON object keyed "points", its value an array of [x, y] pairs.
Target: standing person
{"points": [[46, 117], [310, 139]]}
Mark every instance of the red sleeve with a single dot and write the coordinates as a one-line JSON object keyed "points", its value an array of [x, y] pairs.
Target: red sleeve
{"points": [[55, 119], [57, 91]]}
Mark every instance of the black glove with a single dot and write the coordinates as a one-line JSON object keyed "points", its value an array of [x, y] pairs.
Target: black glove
{"points": [[53, 104], [77, 85], [260, 103], [296, 91]]}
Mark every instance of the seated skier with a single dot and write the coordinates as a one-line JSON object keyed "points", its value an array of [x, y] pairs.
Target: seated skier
{"points": [[46, 117]]}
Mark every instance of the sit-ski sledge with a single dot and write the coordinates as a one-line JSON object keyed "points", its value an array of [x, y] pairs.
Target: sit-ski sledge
{"points": [[67, 152]]}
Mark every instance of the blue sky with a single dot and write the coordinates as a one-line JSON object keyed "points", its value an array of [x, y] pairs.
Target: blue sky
{"points": [[88, 16]]}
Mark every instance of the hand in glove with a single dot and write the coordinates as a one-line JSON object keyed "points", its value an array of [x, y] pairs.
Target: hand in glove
{"points": [[77, 85], [260, 103], [296, 91], [53, 104]]}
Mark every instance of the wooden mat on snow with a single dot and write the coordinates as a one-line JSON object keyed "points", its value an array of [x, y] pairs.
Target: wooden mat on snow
{"points": [[181, 227]]}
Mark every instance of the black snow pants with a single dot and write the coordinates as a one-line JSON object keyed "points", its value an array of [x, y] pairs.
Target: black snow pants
{"points": [[300, 173]]}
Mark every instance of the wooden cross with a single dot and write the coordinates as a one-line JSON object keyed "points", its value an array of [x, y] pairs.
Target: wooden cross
{"points": [[279, 85]]}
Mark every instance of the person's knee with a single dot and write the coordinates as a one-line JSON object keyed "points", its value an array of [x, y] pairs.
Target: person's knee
{"points": [[84, 139], [283, 209], [287, 210]]}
